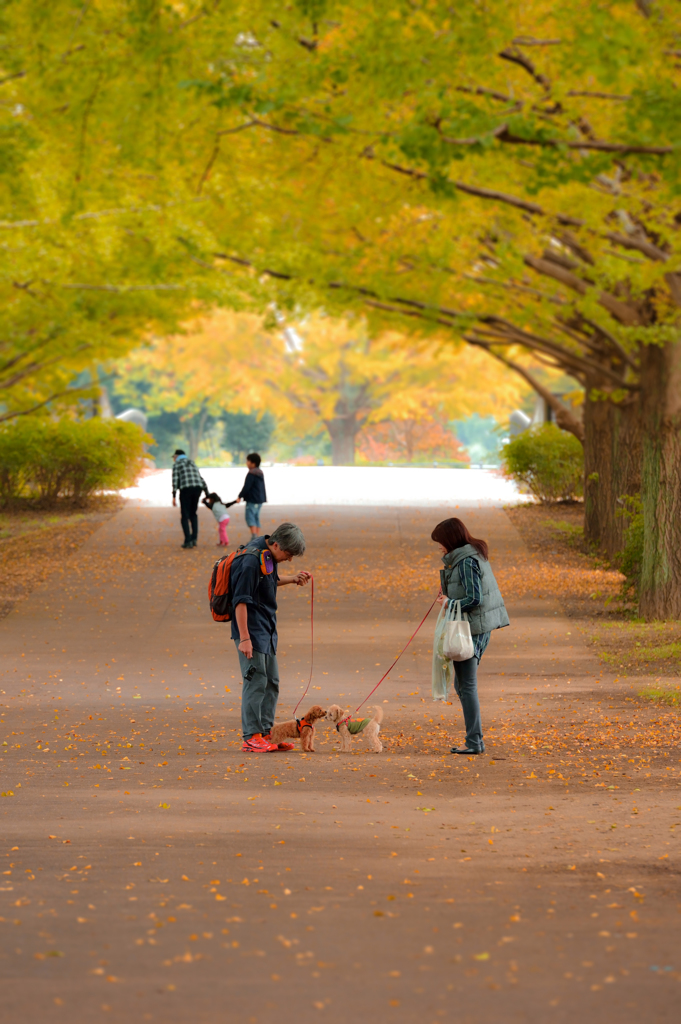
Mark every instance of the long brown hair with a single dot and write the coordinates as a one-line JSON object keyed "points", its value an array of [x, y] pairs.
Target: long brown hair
{"points": [[452, 533]]}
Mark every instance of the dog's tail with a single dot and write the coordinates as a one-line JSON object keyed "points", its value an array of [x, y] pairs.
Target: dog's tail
{"points": [[378, 717]]}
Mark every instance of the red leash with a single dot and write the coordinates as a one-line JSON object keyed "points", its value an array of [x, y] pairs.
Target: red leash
{"points": [[311, 645], [384, 676], [399, 655]]}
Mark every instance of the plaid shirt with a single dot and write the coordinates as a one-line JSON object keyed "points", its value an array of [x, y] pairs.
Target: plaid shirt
{"points": [[185, 474], [471, 580]]}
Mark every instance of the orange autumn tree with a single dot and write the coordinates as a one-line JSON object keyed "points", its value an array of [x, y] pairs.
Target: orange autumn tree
{"points": [[405, 440], [340, 377]]}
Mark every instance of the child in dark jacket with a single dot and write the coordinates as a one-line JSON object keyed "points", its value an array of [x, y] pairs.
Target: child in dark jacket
{"points": [[253, 493], [219, 510]]}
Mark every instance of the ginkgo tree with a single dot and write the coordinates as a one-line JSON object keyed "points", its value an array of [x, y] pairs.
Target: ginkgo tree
{"points": [[211, 366], [344, 377], [506, 174], [336, 376]]}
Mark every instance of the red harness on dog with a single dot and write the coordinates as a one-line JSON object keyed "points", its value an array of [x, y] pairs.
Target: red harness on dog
{"points": [[302, 723]]}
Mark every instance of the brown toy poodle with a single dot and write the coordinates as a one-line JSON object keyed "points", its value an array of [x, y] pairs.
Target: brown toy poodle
{"points": [[303, 727]]}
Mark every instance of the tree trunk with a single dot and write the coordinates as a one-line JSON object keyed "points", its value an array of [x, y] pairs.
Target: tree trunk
{"points": [[612, 468], [660, 591], [193, 429], [343, 431]]}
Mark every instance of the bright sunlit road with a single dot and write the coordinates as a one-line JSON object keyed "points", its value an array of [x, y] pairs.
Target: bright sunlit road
{"points": [[346, 485]]}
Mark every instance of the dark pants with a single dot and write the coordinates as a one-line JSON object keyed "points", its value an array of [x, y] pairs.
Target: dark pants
{"points": [[189, 502], [260, 692], [466, 686]]}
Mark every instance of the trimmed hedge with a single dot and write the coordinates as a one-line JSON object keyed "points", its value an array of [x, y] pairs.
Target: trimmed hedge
{"points": [[50, 459], [548, 461]]}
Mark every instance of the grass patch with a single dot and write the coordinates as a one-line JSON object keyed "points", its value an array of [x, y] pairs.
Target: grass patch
{"points": [[661, 695], [640, 648], [573, 531]]}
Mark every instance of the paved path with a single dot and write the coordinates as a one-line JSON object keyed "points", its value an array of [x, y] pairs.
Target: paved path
{"points": [[155, 873]]}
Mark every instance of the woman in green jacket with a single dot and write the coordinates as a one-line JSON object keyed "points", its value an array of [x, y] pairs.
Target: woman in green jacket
{"points": [[467, 577]]}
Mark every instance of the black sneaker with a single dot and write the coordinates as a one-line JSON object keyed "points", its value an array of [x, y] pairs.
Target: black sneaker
{"points": [[187, 544]]}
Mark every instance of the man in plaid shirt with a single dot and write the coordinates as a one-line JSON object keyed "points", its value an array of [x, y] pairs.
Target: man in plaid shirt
{"points": [[189, 482]]}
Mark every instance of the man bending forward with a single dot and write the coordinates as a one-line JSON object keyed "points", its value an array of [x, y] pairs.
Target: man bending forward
{"points": [[254, 581]]}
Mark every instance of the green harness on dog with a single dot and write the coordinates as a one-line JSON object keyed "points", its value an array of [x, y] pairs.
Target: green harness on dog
{"points": [[354, 727]]}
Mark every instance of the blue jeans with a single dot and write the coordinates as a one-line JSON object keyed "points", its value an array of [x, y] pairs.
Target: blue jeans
{"points": [[253, 514], [466, 686], [260, 692]]}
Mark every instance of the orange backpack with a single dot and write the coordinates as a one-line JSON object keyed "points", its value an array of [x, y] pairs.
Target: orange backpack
{"points": [[218, 587]]}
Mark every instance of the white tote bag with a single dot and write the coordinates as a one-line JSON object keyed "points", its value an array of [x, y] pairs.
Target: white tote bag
{"points": [[457, 641], [442, 667]]}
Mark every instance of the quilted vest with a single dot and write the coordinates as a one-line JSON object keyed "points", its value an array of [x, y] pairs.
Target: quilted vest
{"points": [[489, 615]]}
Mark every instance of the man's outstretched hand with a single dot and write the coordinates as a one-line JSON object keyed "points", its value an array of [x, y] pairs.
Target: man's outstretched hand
{"points": [[300, 579]]}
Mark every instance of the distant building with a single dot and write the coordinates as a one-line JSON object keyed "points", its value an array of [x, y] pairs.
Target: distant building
{"points": [[543, 413], [517, 422], [134, 416]]}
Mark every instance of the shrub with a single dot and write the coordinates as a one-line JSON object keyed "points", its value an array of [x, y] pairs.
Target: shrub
{"points": [[49, 459], [548, 461], [630, 557], [19, 445]]}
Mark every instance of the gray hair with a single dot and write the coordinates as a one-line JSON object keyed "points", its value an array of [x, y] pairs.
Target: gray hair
{"points": [[290, 538]]}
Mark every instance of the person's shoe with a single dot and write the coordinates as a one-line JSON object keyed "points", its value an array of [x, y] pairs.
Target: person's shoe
{"points": [[258, 745], [280, 746], [465, 750], [187, 544], [193, 543]]}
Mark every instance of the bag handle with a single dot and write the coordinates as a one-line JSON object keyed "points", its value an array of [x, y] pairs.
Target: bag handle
{"points": [[453, 612], [458, 615]]}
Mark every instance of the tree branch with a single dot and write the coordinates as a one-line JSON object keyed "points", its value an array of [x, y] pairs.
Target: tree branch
{"points": [[600, 95], [593, 144], [514, 286], [627, 315], [564, 418], [504, 135], [4, 417], [619, 349], [653, 252], [516, 57], [568, 361], [507, 333]]}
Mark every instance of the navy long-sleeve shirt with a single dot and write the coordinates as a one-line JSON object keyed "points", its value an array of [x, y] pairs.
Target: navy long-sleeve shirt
{"points": [[253, 490], [258, 592]]}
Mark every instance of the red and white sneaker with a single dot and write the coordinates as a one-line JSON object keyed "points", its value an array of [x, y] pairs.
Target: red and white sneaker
{"points": [[280, 746], [258, 745]]}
